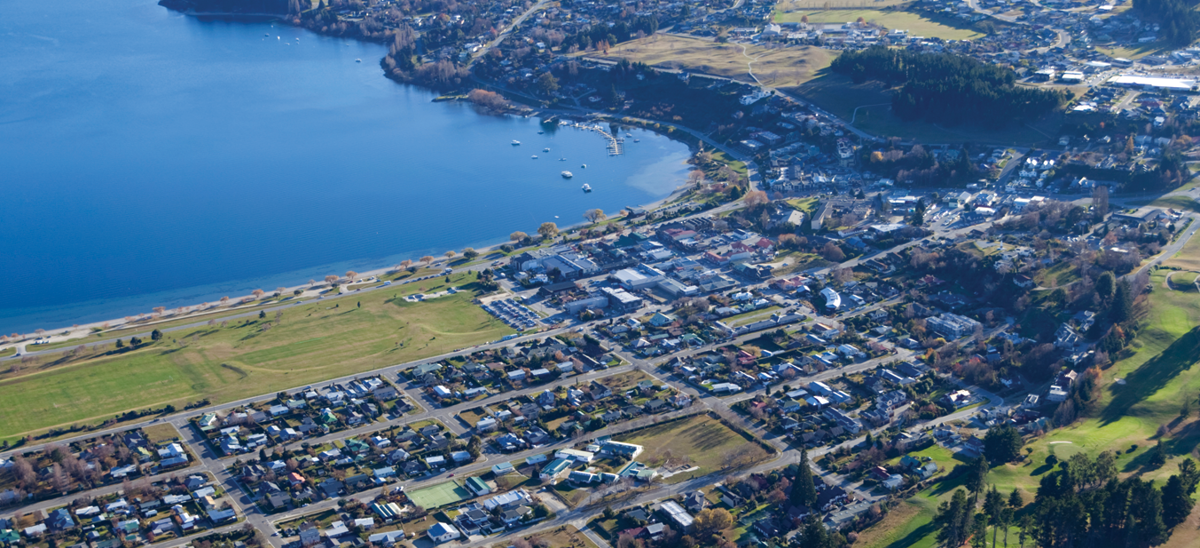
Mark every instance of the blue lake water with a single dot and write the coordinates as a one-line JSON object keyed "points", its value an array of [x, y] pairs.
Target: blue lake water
{"points": [[152, 159]]}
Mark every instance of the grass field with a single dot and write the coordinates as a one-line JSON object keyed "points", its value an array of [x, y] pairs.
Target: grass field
{"points": [[1158, 374], [1188, 258], [752, 316], [701, 438], [566, 536], [439, 495], [160, 433], [782, 67], [872, 101], [316, 341], [891, 18], [1060, 274]]}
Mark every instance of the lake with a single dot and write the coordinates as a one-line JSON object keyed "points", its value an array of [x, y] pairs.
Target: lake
{"points": [[153, 159]]}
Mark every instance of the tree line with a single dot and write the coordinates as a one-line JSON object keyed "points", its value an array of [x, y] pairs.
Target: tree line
{"points": [[1177, 20], [948, 88], [1081, 503]]}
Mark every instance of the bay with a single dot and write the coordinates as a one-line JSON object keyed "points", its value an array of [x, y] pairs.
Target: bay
{"points": [[152, 159]]}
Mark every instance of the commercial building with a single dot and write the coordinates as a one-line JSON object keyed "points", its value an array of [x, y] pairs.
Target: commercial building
{"points": [[952, 326]]}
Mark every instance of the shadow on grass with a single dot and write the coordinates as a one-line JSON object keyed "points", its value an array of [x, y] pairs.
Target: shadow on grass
{"points": [[1041, 470], [915, 536], [1153, 375]]}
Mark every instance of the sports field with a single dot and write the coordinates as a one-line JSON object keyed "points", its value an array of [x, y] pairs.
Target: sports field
{"points": [[439, 495], [316, 341], [775, 67]]}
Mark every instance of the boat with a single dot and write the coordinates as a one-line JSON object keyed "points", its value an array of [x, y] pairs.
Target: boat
{"points": [[516, 143], [535, 156], [358, 60], [586, 187], [567, 174], [563, 159], [629, 135], [637, 140], [584, 166], [545, 150]]}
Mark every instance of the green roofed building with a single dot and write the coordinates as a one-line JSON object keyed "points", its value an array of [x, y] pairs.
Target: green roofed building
{"points": [[477, 486], [555, 469]]}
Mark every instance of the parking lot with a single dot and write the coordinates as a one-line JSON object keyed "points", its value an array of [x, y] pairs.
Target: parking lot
{"points": [[515, 314]]}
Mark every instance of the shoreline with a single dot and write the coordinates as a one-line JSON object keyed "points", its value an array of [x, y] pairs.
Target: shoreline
{"points": [[81, 332]]}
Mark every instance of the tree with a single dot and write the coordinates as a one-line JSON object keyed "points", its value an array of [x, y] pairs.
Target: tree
{"points": [[804, 491], [470, 253], [518, 236], [1002, 444], [156, 335], [331, 278], [1122, 305], [831, 252], [1176, 502], [918, 215], [710, 521], [594, 215], [258, 293], [979, 531], [977, 475], [952, 520], [548, 230], [1100, 202], [1015, 500], [351, 275], [1158, 456], [262, 314], [756, 199], [450, 254], [426, 259], [547, 83]]}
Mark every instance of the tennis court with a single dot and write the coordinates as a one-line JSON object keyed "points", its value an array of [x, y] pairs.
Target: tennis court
{"points": [[439, 495]]}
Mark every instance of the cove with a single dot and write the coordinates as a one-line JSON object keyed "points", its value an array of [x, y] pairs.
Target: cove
{"points": [[154, 159]]}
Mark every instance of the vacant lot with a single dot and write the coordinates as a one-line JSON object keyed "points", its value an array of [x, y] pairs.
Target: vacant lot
{"points": [[224, 362], [160, 433], [701, 440], [891, 18], [868, 107], [776, 67]]}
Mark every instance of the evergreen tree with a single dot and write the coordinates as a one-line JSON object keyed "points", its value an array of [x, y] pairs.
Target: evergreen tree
{"points": [[1175, 502], [952, 520], [155, 335], [1015, 500], [1002, 444], [977, 476], [1122, 305], [979, 527], [804, 491]]}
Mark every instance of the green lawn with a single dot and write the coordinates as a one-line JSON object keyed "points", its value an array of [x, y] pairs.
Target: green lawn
{"points": [[1158, 374], [1058, 275], [701, 438], [752, 316], [313, 342], [894, 18]]}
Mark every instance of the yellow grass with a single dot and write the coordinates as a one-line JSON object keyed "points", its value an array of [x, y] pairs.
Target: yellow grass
{"points": [[782, 67]]}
